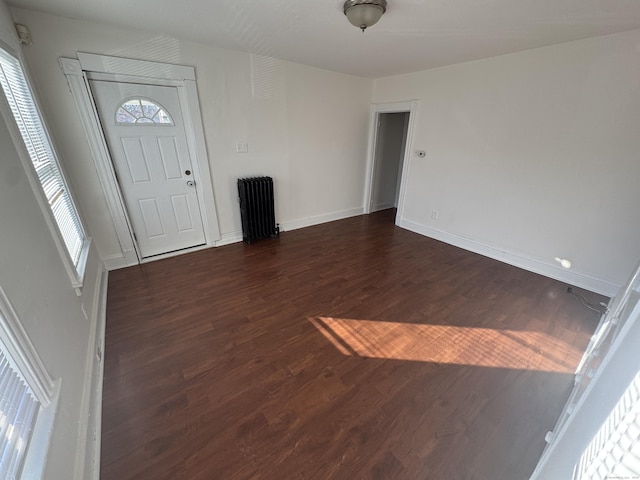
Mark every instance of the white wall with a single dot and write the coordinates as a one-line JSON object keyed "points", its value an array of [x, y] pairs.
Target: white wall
{"points": [[532, 156], [306, 127], [35, 281]]}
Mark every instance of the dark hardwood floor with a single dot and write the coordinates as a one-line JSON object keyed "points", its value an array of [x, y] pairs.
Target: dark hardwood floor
{"points": [[349, 350]]}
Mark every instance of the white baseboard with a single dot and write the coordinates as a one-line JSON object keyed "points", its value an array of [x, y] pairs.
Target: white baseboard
{"points": [[287, 225], [229, 238], [115, 262], [125, 259], [516, 259], [87, 465], [382, 206], [318, 219]]}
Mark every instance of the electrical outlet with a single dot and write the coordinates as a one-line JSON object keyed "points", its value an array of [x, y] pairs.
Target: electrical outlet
{"points": [[434, 214]]}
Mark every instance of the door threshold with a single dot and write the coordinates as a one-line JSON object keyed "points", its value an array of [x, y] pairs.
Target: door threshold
{"points": [[174, 253]]}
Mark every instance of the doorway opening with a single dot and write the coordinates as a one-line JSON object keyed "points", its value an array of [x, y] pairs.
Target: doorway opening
{"points": [[388, 160], [390, 138], [170, 130], [146, 136]]}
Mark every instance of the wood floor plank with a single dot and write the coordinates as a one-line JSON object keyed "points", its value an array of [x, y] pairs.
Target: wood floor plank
{"points": [[348, 350]]}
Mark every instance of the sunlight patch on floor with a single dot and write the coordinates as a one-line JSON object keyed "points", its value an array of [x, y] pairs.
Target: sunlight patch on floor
{"points": [[481, 347]]}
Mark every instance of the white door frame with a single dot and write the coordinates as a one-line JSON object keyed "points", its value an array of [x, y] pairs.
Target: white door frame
{"points": [[104, 67], [376, 110]]}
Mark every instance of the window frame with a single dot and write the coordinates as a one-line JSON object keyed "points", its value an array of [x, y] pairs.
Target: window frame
{"points": [[75, 271], [18, 348]]}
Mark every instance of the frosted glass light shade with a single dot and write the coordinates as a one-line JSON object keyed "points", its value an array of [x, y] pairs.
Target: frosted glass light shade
{"points": [[363, 14]]}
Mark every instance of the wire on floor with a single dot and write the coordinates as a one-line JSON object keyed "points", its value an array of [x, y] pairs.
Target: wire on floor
{"points": [[601, 308]]}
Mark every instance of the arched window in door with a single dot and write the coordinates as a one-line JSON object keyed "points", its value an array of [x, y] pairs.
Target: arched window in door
{"points": [[142, 111]]}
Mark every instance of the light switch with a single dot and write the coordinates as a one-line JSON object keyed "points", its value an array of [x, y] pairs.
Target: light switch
{"points": [[242, 148]]}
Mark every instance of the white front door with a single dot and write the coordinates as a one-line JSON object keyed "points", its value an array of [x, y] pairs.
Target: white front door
{"points": [[145, 132]]}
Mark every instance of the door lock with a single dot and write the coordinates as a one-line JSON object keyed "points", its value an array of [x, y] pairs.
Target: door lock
{"points": [[187, 172], [191, 183]]}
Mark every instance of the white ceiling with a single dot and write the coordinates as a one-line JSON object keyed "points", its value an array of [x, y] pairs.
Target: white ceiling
{"points": [[413, 35]]}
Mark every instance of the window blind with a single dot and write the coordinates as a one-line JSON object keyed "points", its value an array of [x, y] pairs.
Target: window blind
{"points": [[27, 117], [18, 413], [614, 451]]}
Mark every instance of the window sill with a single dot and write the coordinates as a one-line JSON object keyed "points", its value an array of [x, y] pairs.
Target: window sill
{"points": [[80, 270]]}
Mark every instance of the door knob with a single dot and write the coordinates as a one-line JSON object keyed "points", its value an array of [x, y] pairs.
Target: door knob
{"points": [[191, 183]]}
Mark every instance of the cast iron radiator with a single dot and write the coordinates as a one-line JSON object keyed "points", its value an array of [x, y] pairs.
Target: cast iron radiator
{"points": [[256, 208]]}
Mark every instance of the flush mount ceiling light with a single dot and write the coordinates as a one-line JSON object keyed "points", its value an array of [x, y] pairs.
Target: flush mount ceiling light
{"points": [[364, 13]]}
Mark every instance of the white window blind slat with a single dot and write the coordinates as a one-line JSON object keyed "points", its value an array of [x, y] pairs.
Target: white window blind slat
{"points": [[28, 401], [18, 414], [21, 431], [614, 450], [31, 129], [25, 431]]}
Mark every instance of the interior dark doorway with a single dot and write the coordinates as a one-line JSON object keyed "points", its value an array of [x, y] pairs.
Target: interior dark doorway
{"points": [[390, 145]]}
